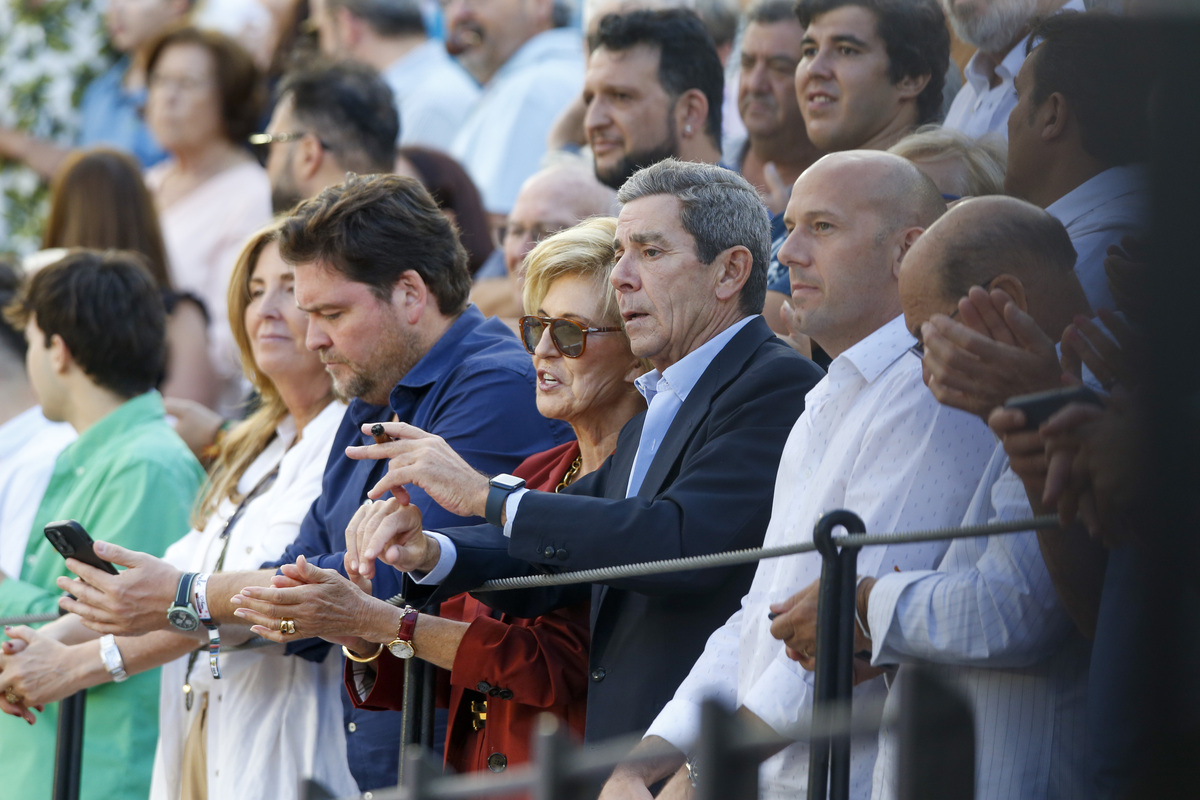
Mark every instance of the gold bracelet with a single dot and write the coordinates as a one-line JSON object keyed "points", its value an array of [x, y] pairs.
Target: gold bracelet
{"points": [[350, 655]]}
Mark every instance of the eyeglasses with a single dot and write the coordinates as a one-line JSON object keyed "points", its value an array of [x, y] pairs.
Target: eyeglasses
{"points": [[918, 349], [568, 336], [264, 139]]}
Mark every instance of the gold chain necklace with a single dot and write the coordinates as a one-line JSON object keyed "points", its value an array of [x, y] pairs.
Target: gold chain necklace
{"points": [[571, 473]]}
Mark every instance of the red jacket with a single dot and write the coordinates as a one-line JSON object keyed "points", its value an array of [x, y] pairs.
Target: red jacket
{"points": [[522, 667]]}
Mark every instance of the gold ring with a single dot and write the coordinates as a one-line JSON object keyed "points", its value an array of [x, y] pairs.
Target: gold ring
{"points": [[12, 696], [287, 626], [805, 654]]}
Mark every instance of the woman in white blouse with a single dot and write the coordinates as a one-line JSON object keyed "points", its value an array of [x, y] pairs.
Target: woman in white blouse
{"points": [[279, 713]]}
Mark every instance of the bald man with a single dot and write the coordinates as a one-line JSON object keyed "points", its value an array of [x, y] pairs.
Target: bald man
{"points": [[988, 620], [555, 198], [872, 439]]}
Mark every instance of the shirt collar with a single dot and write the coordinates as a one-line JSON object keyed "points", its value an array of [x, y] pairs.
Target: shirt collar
{"points": [[133, 413], [1096, 191], [445, 352], [873, 355], [684, 373], [1010, 65]]}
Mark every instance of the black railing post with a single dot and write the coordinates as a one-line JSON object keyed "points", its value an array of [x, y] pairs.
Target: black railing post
{"points": [[68, 754], [829, 757]]}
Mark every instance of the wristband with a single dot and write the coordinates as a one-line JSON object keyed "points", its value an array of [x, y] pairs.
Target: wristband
{"points": [[214, 633]]}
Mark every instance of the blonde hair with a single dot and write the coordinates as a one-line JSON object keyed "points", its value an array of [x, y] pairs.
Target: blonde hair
{"points": [[585, 250], [245, 441], [984, 160]]}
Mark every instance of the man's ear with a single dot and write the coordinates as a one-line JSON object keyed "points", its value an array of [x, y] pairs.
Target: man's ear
{"points": [[1012, 286], [1051, 117], [736, 264], [903, 245], [911, 86], [308, 159], [60, 355], [691, 114], [410, 296]]}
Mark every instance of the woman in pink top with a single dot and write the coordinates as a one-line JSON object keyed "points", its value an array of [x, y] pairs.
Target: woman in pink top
{"points": [[204, 99]]}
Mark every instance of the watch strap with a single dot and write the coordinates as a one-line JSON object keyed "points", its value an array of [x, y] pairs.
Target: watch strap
{"points": [[408, 625], [497, 494], [183, 593]]}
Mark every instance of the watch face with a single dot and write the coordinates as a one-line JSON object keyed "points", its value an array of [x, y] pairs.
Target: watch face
{"points": [[402, 649], [183, 619], [508, 482]]}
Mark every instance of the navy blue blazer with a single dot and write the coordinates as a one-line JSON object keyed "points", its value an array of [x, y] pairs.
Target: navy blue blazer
{"points": [[708, 490]]}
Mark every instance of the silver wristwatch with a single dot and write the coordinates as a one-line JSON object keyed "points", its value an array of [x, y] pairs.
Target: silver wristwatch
{"points": [[110, 654]]}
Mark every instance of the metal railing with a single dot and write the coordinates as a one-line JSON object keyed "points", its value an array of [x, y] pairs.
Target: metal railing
{"points": [[561, 770]]}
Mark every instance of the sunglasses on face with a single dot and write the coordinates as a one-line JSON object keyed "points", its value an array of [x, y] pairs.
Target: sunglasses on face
{"points": [[568, 336]]}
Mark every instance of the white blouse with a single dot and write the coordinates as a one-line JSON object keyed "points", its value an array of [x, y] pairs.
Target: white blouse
{"points": [[272, 718]]}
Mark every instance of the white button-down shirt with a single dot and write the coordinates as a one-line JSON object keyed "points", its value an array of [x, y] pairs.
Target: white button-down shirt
{"points": [[503, 140], [1097, 213], [434, 95], [990, 619], [29, 446], [873, 440], [980, 108]]}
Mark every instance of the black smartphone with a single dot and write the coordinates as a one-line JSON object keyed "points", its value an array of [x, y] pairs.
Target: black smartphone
{"points": [[72, 541], [1041, 406]]}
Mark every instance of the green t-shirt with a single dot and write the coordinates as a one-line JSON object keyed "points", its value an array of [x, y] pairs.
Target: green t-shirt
{"points": [[130, 480]]}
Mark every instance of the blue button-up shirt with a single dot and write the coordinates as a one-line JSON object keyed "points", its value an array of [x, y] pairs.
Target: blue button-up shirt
{"points": [[110, 115], [475, 389]]}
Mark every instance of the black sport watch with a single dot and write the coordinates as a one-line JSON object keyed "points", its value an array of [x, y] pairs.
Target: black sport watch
{"points": [[181, 614], [501, 487]]}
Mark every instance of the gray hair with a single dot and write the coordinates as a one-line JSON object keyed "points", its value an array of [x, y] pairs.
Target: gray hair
{"points": [[720, 210]]}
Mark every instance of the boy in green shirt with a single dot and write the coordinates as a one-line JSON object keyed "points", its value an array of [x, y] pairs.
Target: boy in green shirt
{"points": [[95, 328]]}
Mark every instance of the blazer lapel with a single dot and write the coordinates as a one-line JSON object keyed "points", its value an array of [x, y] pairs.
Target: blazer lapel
{"points": [[725, 367]]}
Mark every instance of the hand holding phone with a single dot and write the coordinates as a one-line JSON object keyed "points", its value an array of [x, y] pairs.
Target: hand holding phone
{"points": [[1041, 406], [72, 541]]}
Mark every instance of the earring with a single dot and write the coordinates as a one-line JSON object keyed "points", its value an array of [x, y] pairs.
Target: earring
{"points": [[687, 129]]}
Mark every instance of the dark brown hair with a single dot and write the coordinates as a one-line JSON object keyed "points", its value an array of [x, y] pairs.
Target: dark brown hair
{"points": [[453, 190], [374, 228], [916, 38], [238, 79], [99, 201], [108, 311]]}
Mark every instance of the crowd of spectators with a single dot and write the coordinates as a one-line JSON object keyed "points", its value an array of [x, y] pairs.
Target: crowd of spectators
{"points": [[321, 313]]}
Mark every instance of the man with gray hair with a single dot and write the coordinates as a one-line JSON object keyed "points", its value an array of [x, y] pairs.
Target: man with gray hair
{"points": [[873, 440], [693, 475], [1000, 30], [433, 93]]}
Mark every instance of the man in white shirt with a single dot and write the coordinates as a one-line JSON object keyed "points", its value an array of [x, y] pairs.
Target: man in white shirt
{"points": [[29, 443], [434, 95], [872, 440], [531, 67], [988, 619], [1078, 133], [1000, 31]]}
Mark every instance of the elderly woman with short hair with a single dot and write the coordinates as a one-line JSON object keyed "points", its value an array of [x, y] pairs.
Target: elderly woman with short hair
{"points": [[503, 671]]}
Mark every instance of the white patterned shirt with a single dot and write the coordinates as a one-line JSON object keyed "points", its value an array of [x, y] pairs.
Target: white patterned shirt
{"points": [[990, 619], [872, 440]]}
